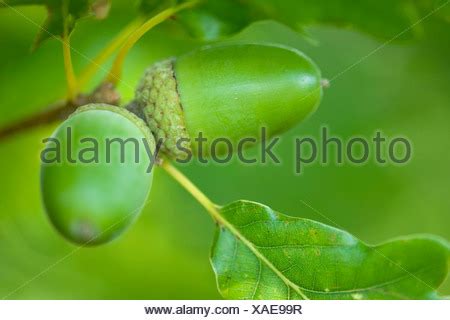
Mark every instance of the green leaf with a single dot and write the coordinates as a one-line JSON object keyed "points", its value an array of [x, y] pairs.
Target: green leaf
{"points": [[262, 254], [62, 15], [385, 19]]}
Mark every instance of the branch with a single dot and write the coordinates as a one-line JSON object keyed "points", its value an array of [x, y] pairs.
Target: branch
{"points": [[105, 93]]}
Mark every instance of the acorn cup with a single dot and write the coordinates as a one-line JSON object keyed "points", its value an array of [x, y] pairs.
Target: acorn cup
{"points": [[227, 92], [100, 174]]}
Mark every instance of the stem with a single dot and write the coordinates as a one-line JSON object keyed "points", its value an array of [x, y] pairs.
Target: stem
{"points": [[56, 112], [104, 93], [193, 190], [95, 64], [116, 70], [72, 86]]}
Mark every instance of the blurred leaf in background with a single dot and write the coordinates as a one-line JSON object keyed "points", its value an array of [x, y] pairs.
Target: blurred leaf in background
{"points": [[383, 19], [401, 90], [62, 15]]}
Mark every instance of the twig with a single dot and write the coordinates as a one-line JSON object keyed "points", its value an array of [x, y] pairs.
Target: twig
{"points": [[72, 85], [105, 93]]}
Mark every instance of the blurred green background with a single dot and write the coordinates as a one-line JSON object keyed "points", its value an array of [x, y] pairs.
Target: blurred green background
{"points": [[402, 89]]}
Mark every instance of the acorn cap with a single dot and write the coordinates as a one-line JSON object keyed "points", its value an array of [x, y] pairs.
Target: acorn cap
{"points": [[159, 101]]}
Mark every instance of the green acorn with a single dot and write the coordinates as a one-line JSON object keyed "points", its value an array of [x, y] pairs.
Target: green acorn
{"points": [[228, 91], [95, 187]]}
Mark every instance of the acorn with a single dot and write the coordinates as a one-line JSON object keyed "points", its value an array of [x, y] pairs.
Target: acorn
{"points": [[229, 92], [99, 176]]}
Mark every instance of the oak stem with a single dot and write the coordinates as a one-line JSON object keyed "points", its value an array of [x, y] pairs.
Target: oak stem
{"points": [[72, 86]]}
